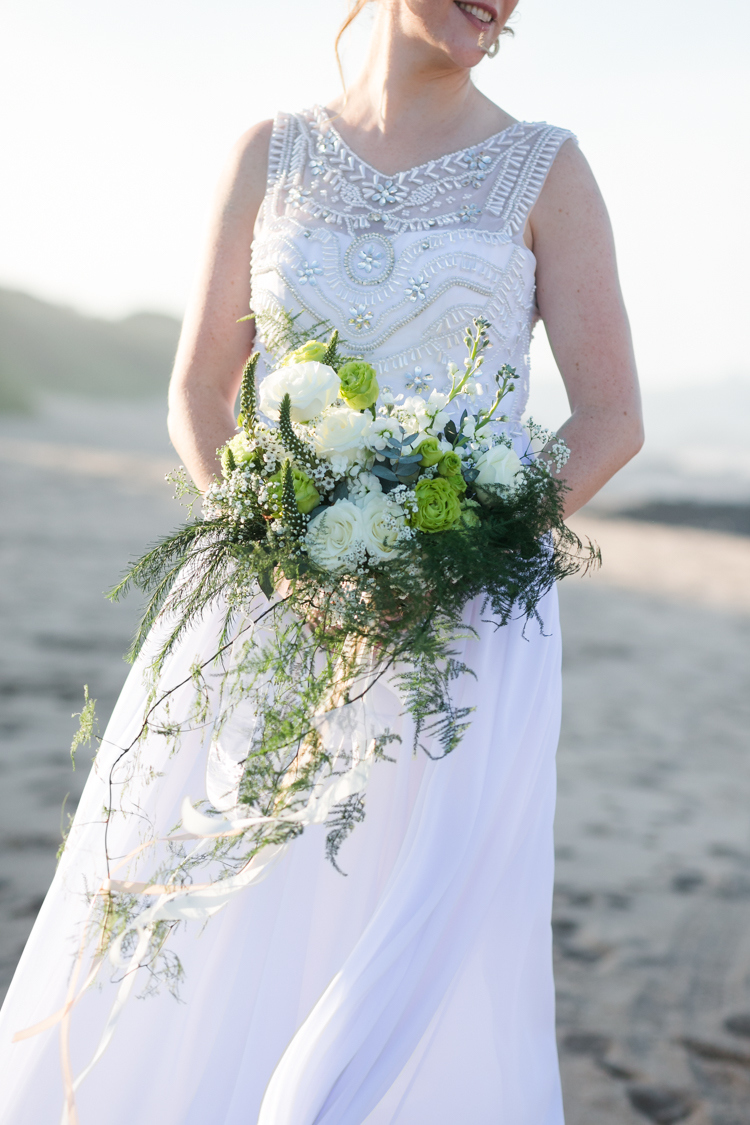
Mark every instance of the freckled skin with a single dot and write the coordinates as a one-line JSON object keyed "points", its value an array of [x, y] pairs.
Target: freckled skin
{"points": [[415, 101]]}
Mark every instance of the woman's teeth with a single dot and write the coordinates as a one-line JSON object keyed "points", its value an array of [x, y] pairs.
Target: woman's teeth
{"points": [[481, 13]]}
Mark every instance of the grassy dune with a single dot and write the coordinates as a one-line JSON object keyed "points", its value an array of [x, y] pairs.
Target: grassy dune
{"points": [[49, 348]]}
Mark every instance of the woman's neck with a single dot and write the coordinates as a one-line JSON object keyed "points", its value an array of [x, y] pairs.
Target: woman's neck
{"points": [[410, 103]]}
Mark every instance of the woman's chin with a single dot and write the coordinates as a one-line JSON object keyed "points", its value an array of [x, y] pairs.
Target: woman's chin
{"points": [[464, 55]]}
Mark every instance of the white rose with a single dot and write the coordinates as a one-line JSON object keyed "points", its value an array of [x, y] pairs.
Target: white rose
{"points": [[333, 534], [341, 434], [311, 386], [498, 465], [382, 522]]}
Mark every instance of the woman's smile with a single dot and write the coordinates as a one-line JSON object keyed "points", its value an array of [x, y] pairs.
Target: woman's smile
{"points": [[479, 15]]}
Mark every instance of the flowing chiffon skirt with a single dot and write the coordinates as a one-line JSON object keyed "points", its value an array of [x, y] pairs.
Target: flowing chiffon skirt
{"points": [[415, 990]]}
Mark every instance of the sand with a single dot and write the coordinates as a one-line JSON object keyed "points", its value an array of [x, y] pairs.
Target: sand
{"points": [[652, 908]]}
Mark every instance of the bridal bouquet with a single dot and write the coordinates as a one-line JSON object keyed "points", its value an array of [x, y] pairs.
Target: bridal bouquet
{"points": [[348, 532]]}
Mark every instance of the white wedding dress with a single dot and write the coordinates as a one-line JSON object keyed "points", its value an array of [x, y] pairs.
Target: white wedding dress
{"points": [[417, 990]]}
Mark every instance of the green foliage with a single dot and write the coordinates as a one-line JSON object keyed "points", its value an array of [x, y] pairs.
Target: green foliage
{"points": [[248, 408], [344, 818], [86, 723], [294, 445], [228, 462], [331, 356], [293, 517], [162, 572], [282, 334]]}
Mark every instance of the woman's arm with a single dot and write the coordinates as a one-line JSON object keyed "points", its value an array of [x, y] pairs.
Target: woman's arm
{"points": [[581, 304], [213, 347]]}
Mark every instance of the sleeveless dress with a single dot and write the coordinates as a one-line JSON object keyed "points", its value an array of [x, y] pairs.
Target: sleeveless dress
{"points": [[417, 989]]}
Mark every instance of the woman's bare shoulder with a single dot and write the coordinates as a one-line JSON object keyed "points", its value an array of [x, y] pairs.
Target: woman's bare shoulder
{"points": [[570, 198], [246, 169]]}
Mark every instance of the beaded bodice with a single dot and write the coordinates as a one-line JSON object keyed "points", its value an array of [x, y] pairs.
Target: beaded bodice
{"points": [[400, 264]]}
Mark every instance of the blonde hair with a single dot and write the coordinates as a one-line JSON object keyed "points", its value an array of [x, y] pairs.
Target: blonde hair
{"points": [[357, 7]]}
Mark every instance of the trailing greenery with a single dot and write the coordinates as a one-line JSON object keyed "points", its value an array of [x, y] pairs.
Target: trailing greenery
{"points": [[302, 644], [85, 733]]}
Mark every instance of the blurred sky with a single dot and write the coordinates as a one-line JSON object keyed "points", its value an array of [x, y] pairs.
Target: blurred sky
{"points": [[117, 117]]}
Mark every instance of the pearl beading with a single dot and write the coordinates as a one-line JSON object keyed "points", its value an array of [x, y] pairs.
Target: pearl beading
{"points": [[338, 241]]}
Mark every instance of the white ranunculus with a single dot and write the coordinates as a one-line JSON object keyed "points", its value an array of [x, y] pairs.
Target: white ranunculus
{"points": [[382, 522], [498, 465], [311, 386], [333, 534], [341, 434]]}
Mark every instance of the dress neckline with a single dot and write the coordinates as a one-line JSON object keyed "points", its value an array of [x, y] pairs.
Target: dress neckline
{"points": [[322, 113]]}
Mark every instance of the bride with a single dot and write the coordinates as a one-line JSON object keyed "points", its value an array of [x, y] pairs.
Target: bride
{"points": [[418, 989]]}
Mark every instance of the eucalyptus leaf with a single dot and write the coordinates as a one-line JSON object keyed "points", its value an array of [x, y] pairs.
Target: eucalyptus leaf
{"points": [[386, 474]]}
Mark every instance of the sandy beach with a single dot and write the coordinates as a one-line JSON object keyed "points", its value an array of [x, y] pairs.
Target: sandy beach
{"points": [[652, 908]]}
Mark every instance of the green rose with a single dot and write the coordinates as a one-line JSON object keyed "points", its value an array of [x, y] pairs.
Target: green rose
{"points": [[469, 518], [311, 352], [458, 484], [438, 506], [235, 453], [359, 384], [449, 465], [305, 492], [431, 452]]}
